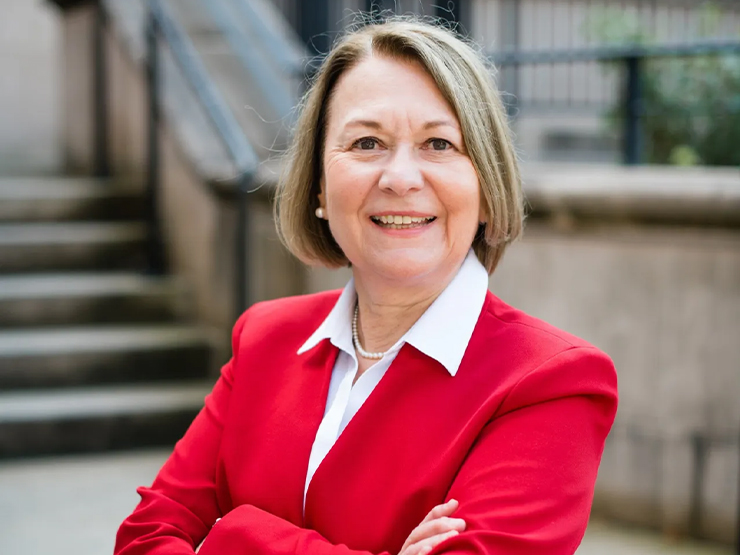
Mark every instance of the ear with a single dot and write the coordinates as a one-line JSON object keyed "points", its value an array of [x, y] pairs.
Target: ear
{"points": [[482, 214]]}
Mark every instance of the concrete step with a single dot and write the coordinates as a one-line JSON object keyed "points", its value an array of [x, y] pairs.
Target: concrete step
{"points": [[66, 198], [74, 356], [85, 298], [33, 247], [97, 419]]}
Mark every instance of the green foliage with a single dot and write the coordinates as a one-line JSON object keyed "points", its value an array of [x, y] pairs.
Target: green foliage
{"points": [[691, 105]]}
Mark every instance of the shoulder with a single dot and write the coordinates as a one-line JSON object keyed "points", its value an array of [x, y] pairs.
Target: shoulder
{"points": [[526, 328], [515, 331], [537, 361], [287, 318]]}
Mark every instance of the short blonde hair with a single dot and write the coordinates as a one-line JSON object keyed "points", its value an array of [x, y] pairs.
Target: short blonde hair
{"points": [[464, 79]]}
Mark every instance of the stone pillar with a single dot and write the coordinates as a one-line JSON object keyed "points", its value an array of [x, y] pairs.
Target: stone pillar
{"points": [[78, 85]]}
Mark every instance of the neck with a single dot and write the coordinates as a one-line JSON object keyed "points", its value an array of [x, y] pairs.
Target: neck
{"points": [[387, 312]]}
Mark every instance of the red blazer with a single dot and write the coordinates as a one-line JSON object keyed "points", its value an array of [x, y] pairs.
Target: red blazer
{"points": [[516, 437]]}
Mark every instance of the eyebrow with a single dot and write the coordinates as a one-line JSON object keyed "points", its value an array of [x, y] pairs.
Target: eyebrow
{"points": [[441, 123], [372, 124], [363, 123]]}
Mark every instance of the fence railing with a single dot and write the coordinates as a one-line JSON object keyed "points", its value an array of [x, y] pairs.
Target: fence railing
{"points": [[632, 58], [161, 25]]}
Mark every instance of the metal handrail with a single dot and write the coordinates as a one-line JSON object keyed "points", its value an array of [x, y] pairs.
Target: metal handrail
{"points": [[161, 23], [272, 90], [277, 48]]}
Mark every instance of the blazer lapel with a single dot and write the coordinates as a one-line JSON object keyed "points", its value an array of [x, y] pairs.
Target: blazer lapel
{"points": [[281, 407]]}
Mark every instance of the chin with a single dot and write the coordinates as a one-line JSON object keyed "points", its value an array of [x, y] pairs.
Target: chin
{"points": [[407, 266]]}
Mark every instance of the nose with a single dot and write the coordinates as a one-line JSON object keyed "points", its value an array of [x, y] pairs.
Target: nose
{"points": [[402, 174]]}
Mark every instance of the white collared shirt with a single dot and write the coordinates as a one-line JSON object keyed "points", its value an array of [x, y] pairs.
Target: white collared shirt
{"points": [[442, 333]]}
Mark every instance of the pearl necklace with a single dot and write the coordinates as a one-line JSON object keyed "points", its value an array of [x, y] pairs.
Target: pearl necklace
{"points": [[356, 339]]}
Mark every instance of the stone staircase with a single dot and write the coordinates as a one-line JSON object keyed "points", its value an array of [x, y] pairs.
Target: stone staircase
{"points": [[94, 354]]}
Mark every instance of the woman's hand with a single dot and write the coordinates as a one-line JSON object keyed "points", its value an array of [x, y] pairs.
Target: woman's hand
{"points": [[436, 527]]}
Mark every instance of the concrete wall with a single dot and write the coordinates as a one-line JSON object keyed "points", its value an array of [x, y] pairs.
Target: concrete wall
{"points": [[665, 304], [30, 67]]}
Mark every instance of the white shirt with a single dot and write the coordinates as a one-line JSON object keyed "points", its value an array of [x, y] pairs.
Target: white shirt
{"points": [[442, 333]]}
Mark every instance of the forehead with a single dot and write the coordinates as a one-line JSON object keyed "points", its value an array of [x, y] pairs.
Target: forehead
{"points": [[380, 86]]}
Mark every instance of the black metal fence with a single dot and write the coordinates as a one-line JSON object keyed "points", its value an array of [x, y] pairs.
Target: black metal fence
{"points": [[634, 65], [633, 106], [615, 62]]}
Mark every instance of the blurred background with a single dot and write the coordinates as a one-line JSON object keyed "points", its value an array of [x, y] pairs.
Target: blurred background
{"points": [[140, 145]]}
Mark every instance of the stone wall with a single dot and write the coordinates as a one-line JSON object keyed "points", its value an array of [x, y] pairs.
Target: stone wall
{"points": [[665, 304]]}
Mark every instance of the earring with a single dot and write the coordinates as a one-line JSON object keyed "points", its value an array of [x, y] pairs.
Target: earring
{"points": [[319, 212]]}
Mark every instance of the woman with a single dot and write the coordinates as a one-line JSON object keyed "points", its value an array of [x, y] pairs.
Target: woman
{"points": [[414, 411]]}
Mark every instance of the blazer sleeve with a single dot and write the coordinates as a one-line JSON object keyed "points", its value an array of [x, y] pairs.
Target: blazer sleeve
{"points": [[178, 510], [525, 487], [248, 530]]}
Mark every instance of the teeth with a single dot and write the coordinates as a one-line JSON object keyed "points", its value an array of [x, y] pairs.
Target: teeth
{"points": [[401, 220]]}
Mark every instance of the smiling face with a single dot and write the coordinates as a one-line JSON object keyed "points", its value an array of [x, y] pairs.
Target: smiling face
{"points": [[401, 196]]}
